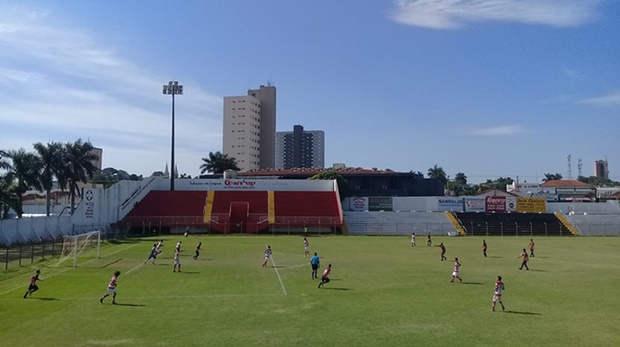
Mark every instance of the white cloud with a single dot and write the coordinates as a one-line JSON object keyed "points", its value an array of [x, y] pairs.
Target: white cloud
{"points": [[59, 83], [501, 130], [450, 14], [611, 99]]}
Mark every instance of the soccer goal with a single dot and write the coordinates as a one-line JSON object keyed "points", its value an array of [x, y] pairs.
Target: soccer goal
{"points": [[74, 245]]}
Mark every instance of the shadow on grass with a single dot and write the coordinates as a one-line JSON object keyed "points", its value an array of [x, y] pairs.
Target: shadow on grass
{"points": [[335, 288], [110, 263], [130, 305], [538, 270], [476, 283], [45, 299], [525, 313], [189, 272]]}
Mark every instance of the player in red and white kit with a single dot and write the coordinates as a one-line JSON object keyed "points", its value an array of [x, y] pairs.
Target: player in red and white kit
{"points": [[455, 271], [524, 259], [111, 288], [33, 283], [532, 248], [497, 297], [325, 277], [267, 255]]}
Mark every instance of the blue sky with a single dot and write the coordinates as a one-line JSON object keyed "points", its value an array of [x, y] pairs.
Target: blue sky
{"points": [[488, 87]]}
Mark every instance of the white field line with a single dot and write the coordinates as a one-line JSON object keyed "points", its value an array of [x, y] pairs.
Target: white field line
{"points": [[160, 297], [127, 273], [275, 267], [69, 268]]}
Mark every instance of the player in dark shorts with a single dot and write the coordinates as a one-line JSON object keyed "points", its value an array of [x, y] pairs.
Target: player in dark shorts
{"points": [[315, 263], [325, 277], [443, 251], [33, 283], [429, 242], [198, 249]]}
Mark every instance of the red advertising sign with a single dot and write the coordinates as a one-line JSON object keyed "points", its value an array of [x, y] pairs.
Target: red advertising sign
{"points": [[495, 203]]}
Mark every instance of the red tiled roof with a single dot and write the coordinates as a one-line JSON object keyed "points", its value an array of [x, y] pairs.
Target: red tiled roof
{"points": [[494, 189], [566, 184]]}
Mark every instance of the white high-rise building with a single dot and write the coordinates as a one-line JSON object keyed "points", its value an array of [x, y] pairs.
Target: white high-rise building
{"points": [[249, 128]]}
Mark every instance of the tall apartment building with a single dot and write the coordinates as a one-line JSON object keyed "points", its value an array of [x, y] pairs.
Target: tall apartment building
{"points": [[300, 148], [250, 128], [601, 169]]}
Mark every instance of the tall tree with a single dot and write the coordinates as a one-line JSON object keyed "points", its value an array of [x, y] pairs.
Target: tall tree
{"points": [[217, 163], [438, 173], [343, 185], [460, 179], [24, 170], [552, 177], [78, 167], [50, 156]]}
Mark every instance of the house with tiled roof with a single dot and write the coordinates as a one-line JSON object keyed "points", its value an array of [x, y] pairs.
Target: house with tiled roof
{"points": [[570, 190]]}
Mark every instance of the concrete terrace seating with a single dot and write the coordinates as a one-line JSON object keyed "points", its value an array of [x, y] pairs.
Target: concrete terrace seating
{"points": [[307, 208], [398, 223], [515, 224], [169, 208], [605, 225]]}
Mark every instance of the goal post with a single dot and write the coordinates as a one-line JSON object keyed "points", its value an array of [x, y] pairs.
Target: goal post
{"points": [[74, 245]]}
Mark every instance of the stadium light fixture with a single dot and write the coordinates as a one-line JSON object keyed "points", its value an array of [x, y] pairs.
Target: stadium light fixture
{"points": [[172, 88]]}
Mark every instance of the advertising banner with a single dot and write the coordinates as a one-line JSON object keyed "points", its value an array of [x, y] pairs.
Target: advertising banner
{"points": [[511, 204], [532, 205], [358, 204], [379, 203], [474, 204], [495, 203], [450, 204], [89, 196]]}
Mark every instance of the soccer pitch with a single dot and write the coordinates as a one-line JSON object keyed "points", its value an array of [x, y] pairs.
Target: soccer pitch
{"points": [[383, 292]]}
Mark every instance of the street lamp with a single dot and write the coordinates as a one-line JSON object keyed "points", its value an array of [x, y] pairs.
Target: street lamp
{"points": [[172, 88]]}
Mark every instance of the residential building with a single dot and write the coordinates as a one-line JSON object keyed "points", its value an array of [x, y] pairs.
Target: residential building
{"points": [[300, 148], [601, 169], [250, 128]]}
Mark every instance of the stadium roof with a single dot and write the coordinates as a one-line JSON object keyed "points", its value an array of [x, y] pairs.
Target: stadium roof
{"points": [[566, 184]]}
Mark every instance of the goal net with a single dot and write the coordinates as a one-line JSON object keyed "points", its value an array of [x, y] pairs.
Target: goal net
{"points": [[73, 246]]}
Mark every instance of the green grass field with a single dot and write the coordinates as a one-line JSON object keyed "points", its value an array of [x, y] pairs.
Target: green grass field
{"points": [[383, 292]]}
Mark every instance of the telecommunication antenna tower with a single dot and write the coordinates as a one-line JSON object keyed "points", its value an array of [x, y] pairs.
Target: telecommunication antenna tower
{"points": [[579, 166], [570, 170]]}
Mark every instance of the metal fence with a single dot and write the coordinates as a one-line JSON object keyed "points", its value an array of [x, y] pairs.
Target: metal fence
{"points": [[374, 228]]}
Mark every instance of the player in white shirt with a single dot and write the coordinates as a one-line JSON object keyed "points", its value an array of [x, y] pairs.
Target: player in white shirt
{"points": [[412, 239], [267, 255], [497, 296], [455, 271]]}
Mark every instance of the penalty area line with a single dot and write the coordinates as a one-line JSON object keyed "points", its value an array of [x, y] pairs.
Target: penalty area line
{"points": [[275, 267]]}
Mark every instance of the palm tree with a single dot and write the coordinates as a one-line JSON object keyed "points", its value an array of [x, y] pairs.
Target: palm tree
{"points": [[6, 202], [460, 178], [218, 163], [24, 169], [50, 156], [438, 173], [78, 164]]}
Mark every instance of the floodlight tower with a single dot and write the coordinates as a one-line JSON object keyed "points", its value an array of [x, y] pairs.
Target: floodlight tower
{"points": [[172, 88]]}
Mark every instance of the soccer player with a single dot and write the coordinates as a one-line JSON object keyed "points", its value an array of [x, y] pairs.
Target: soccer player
{"points": [[484, 248], [315, 263], [33, 283], [111, 288], [497, 297], [198, 249], [532, 248], [178, 247], [455, 272], [177, 261], [153, 254], [306, 247], [443, 251], [524, 260], [412, 239], [187, 229], [267, 255], [325, 277], [160, 244], [428, 240]]}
